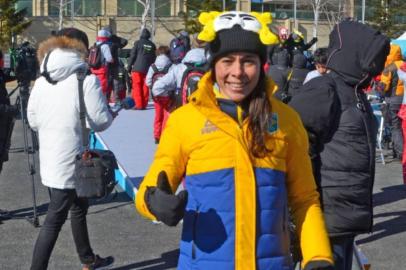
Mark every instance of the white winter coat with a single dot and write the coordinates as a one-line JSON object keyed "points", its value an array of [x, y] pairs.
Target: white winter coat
{"points": [[53, 111], [161, 62], [173, 79]]}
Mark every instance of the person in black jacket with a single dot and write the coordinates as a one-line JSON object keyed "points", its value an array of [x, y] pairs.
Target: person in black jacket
{"points": [[7, 113], [141, 57], [117, 43], [298, 73], [279, 72], [291, 42], [342, 132]]}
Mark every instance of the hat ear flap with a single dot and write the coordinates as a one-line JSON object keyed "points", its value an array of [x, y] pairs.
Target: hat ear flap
{"points": [[266, 36], [207, 20]]}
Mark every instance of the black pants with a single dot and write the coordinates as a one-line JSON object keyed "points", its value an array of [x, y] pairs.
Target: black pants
{"points": [[343, 249], [61, 202], [396, 128]]}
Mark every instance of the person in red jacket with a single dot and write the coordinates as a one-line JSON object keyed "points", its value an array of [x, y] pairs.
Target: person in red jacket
{"points": [[401, 72], [102, 40]]}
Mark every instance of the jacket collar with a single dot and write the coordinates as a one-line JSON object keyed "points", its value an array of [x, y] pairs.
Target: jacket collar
{"points": [[204, 100]]}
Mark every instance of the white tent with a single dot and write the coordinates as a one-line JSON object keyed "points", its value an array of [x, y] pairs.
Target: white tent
{"points": [[401, 41], [402, 37]]}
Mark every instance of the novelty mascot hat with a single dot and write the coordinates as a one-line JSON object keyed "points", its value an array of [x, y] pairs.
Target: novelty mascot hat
{"points": [[236, 31]]}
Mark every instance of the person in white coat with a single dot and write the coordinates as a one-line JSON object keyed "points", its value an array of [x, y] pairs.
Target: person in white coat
{"points": [[53, 111], [171, 82], [162, 99]]}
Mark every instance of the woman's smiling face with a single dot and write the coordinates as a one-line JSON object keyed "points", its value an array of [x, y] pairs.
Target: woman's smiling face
{"points": [[237, 74]]}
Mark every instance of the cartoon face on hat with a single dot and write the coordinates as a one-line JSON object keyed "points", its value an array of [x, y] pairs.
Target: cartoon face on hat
{"points": [[215, 22], [228, 20]]}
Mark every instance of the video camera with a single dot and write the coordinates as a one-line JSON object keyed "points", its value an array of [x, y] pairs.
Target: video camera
{"points": [[23, 63]]}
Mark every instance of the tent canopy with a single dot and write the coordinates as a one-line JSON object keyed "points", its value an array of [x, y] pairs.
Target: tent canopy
{"points": [[401, 42], [402, 37]]}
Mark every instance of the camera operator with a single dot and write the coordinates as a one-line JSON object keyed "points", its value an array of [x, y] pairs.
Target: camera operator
{"points": [[53, 110], [7, 112], [117, 71]]}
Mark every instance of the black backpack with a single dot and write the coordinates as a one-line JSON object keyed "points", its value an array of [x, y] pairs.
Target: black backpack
{"points": [[95, 59], [190, 79]]}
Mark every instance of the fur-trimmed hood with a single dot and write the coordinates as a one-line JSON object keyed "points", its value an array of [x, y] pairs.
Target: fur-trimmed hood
{"points": [[66, 56]]}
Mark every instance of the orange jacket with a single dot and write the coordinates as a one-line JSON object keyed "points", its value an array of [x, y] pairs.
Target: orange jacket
{"points": [[394, 57]]}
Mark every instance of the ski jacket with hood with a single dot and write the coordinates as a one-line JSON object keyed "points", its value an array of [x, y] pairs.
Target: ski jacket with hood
{"points": [[142, 54], [342, 128], [161, 62], [393, 86], [237, 211], [53, 110], [279, 71], [299, 72], [173, 79]]}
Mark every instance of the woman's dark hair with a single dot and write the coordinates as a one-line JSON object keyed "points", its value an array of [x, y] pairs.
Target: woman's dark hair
{"points": [[74, 33], [321, 56], [259, 112]]}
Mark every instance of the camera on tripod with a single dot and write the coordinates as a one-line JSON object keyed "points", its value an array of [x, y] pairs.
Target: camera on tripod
{"points": [[23, 63]]}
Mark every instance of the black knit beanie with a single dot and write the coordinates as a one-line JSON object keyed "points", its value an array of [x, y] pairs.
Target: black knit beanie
{"points": [[235, 39], [74, 33]]}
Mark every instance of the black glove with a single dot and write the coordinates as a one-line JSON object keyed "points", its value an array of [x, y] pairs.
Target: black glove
{"points": [[319, 265], [314, 40], [163, 204]]}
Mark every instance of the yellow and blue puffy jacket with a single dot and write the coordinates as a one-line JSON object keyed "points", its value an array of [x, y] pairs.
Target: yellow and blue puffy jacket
{"points": [[237, 211]]}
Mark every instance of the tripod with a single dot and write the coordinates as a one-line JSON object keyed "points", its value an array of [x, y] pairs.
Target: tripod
{"points": [[30, 145]]}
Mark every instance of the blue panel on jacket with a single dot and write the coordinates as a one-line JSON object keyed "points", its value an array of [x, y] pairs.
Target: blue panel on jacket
{"points": [[272, 216], [208, 226]]}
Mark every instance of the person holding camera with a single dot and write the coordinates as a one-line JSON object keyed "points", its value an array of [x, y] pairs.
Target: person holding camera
{"points": [[53, 111], [7, 113]]}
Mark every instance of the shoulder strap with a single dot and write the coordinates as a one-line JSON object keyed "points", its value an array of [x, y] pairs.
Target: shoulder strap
{"points": [[154, 68], [166, 68], [45, 72], [81, 75], [286, 85]]}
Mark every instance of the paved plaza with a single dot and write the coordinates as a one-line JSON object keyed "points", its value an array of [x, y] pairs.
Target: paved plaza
{"points": [[117, 229]]}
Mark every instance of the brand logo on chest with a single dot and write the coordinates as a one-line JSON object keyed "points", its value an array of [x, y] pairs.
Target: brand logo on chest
{"points": [[273, 124], [208, 127]]}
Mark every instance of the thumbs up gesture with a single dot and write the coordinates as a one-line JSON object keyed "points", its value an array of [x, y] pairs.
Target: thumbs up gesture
{"points": [[163, 204]]}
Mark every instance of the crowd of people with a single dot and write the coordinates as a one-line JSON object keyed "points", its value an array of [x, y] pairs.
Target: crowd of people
{"points": [[255, 132]]}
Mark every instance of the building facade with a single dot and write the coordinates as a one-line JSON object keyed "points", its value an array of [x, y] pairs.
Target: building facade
{"points": [[124, 17]]}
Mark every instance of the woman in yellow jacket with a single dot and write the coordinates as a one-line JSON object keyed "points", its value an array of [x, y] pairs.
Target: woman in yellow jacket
{"points": [[243, 157]]}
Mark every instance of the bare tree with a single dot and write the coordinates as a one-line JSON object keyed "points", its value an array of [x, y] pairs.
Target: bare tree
{"points": [[147, 6], [332, 9], [334, 14], [61, 5], [317, 6]]}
